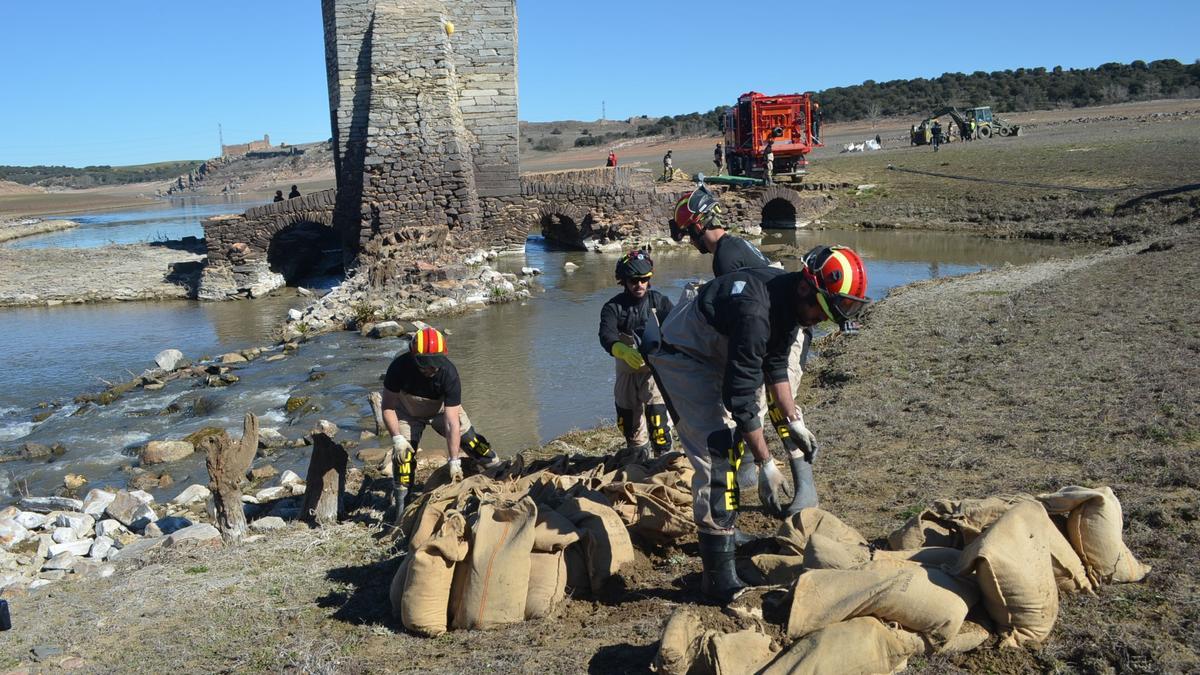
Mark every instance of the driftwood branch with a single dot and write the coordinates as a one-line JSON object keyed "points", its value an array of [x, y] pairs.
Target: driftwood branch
{"points": [[227, 465], [325, 483], [377, 408]]}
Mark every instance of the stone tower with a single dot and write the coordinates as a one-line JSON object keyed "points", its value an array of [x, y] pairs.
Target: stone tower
{"points": [[424, 118]]}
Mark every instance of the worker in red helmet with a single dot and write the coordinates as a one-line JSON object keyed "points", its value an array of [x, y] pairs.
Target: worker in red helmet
{"points": [[712, 355], [641, 410], [421, 388], [698, 217]]}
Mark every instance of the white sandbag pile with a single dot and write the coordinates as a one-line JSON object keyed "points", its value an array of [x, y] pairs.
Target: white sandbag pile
{"points": [[498, 549], [994, 572]]}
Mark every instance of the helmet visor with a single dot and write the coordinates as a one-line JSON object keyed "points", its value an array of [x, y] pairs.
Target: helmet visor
{"points": [[841, 307], [702, 201]]}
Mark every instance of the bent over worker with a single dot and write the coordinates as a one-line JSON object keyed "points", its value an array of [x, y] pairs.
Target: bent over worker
{"points": [[641, 411], [422, 388], [712, 356]]}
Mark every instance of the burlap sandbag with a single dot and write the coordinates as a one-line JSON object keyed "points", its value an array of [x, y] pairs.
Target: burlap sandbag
{"points": [[553, 531], [682, 639], [921, 599], [970, 637], [794, 532], [1013, 567], [770, 569], [740, 653], [547, 583], [606, 544], [823, 553], [579, 577], [423, 517], [1095, 526], [420, 592], [661, 517], [952, 522], [491, 585], [862, 646], [624, 501]]}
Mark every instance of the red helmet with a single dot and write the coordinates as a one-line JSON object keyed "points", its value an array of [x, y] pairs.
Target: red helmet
{"points": [[429, 347], [695, 212], [840, 277]]}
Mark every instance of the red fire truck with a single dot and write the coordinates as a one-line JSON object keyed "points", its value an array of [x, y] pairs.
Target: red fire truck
{"points": [[789, 121]]}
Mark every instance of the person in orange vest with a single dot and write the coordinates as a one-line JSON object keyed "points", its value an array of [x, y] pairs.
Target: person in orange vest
{"points": [[612, 158]]}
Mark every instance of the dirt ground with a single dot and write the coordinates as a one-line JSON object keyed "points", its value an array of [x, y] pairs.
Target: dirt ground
{"points": [[1070, 371]]}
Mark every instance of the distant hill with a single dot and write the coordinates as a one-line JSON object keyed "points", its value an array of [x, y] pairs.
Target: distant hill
{"points": [[1005, 90], [94, 176]]}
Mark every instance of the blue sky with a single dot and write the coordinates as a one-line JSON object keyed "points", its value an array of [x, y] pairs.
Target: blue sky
{"points": [[136, 81]]}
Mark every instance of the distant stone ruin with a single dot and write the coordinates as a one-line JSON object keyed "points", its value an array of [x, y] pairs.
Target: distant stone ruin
{"points": [[240, 149]]}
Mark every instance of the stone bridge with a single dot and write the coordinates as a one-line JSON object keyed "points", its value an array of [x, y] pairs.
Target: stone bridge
{"points": [[271, 245]]}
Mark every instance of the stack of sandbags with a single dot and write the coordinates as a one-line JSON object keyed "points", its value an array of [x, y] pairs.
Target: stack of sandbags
{"points": [[1020, 563], [1095, 528], [952, 522]]}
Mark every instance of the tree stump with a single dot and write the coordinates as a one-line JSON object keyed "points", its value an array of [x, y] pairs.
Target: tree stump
{"points": [[377, 408], [325, 482], [227, 465]]}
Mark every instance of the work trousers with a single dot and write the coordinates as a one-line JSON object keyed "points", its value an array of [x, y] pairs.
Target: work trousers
{"points": [[414, 414]]}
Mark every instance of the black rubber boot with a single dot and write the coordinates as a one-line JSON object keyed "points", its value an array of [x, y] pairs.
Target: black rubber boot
{"points": [[719, 581], [399, 496], [803, 488]]}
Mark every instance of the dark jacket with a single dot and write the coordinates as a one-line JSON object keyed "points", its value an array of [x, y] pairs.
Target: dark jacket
{"points": [[623, 315], [734, 253], [756, 310]]}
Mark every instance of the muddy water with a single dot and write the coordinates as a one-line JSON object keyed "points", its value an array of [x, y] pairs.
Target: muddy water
{"points": [[531, 370]]}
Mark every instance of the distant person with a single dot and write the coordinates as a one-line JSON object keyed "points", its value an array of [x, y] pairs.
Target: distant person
{"points": [[878, 140], [668, 166], [719, 159], [294, 193], [769, 162], [612, 158], [279, 195], [973, 130], [928, 132], [937, 135], [816, 130]]}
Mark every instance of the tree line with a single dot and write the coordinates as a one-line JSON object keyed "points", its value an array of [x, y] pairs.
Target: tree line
{"points": [[91, 176], [1005, 90]]}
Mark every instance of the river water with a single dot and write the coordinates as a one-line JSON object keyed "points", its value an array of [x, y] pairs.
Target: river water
{"points": [[531, 370]]}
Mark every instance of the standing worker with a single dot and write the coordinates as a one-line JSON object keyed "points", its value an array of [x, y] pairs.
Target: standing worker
{"points": [[294, 193], [712, 356], [973, 130], [816, 125], [719, 159], [422, 388], [612, 158], [622, 323], [668, 167], [768, 162], [937, 135]]}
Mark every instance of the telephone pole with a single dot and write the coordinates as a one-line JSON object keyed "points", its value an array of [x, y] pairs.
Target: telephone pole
{"points": [[603, 111], [221, 136]]}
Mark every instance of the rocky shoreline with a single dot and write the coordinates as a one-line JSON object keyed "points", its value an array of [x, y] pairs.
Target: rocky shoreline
{"points": [[28, 227]]}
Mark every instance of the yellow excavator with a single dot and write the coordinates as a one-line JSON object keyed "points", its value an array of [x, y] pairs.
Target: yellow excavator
{"points": [[986, 124]]}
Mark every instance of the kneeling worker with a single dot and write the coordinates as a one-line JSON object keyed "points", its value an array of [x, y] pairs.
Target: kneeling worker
{"points": [[622, 322], [713, 354], [422, 387]]}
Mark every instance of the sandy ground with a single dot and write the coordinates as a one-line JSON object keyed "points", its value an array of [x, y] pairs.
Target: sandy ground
{"points": [[128, 272]]}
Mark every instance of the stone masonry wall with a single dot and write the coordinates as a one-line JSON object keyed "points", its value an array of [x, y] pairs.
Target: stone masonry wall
{"points": [[424, 122]]}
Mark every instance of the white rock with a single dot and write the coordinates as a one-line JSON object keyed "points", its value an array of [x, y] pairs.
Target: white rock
{"points": [[570, 266], [60, 561], [531, 271], [100, 548], [268, 523], [200, 532], [38, 583], [142, 496], [30, 520], [192, 494], [48, 504], [159, 452], [271, 438], [272, 493], [72, 547], [81, 524], [295, 315], [96, 501], [109, 527], [137, 549], [442, 304], [247, 499], [169, 359], [63, 535], [12, 532], [289, 477]]}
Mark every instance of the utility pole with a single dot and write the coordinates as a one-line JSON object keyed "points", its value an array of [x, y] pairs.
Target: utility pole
{"points": [[603, 111], [221, 135]]}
